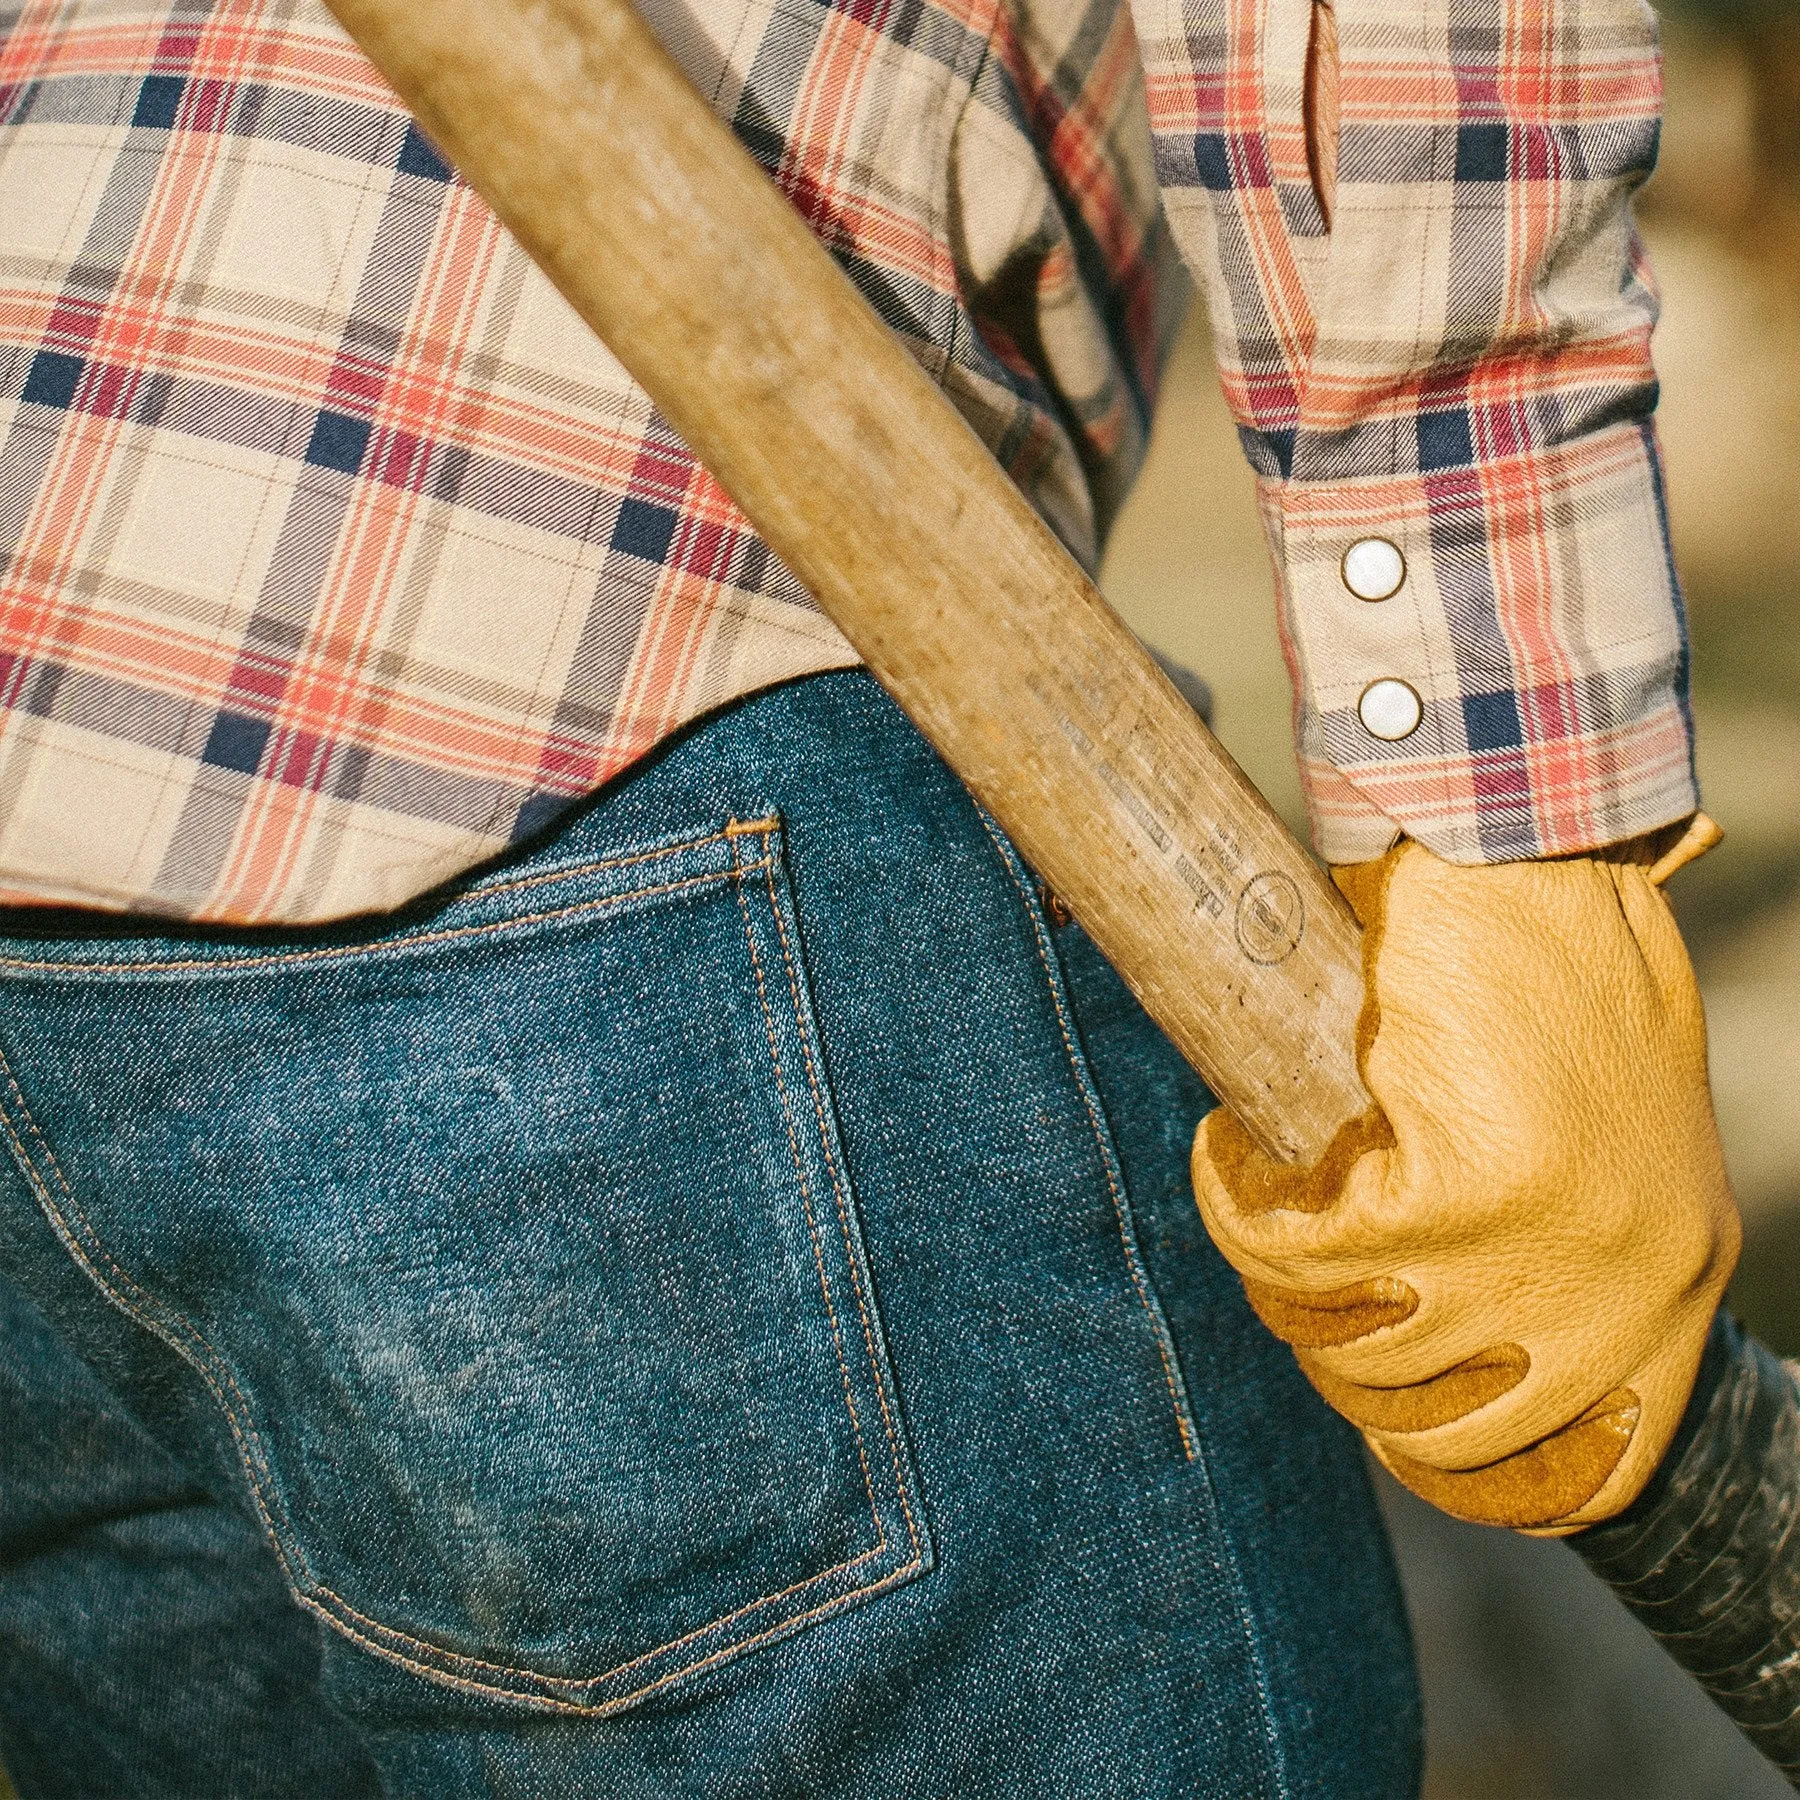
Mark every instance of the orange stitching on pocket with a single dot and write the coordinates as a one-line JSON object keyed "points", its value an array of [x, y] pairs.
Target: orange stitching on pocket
{"points": [[734, 828], [812, 1227], [579, 1681], [481, 891], [1120, 1209], [607, 1708], [340, 952], [837, 1190], [325, 1602]]}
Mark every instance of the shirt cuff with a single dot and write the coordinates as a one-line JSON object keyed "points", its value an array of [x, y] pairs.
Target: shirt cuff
{"points": [[1513, 682]]}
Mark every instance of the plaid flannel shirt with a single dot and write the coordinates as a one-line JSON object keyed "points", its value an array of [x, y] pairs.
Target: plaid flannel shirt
{"points": [[337, 556]]}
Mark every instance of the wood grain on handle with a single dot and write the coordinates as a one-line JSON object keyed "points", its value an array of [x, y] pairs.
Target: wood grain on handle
{"points": [[589, 142]]}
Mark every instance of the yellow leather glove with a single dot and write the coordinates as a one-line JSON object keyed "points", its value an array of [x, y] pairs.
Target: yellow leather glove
{"points": [[1507, 1281]]}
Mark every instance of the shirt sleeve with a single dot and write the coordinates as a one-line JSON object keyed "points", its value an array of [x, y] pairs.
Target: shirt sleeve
{"points": [[1447, 395]]}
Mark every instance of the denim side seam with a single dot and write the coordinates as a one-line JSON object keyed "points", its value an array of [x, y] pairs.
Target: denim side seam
{"points": [[76, 1232], [1140, 1277], [1109, 1162]]}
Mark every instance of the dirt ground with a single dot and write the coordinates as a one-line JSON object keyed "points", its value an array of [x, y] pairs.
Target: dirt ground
{"points": [[1538, 1686]]}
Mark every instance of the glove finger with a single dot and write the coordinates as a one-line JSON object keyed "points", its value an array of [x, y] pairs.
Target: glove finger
{"points": [[1665, 1384], [1354, 1237], [1565, 1366], [1318, 1319], [1535, 1488], [1460, 1390], [1452, 1325], [1256, 1185]]}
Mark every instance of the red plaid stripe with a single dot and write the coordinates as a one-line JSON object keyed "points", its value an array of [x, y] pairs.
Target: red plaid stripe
{"points": [[334, 556], [1462, 368]]}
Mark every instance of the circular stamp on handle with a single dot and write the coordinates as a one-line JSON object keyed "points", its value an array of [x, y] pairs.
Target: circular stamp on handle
{"points": [[1271, 918]]}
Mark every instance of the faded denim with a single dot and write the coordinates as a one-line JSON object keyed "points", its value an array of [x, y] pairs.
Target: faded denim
{"points": [[711, 1306]]}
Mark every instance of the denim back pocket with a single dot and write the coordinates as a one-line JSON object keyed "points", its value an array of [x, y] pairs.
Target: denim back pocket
{"points": [[516, 1245]]}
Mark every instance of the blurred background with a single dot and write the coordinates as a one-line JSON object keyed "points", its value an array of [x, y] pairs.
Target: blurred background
{"points": [[1537, 1684]]}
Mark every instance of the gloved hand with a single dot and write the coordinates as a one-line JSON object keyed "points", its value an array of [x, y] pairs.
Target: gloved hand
{"points": [[1507, 1280]]}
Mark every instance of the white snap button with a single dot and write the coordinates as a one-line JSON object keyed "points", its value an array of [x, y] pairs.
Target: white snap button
{"points": [[1374, 569], [1389, 710]]}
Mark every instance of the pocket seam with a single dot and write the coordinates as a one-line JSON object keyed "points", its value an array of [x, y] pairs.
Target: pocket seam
{"points": [[181, 1334], [227, 965], [837, 1190], [812, 1226], [164, 1322]]}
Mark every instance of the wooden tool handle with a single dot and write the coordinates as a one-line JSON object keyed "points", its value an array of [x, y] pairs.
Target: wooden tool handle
{"points": [[589, 142]]}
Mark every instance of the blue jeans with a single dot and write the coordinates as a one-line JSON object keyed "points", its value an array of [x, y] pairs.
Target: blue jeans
{"points": [[712, 1306]]}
